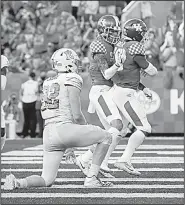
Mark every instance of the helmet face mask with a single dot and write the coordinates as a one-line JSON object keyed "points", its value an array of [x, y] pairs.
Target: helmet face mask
{"points": [[109, 28], [65, 60]]}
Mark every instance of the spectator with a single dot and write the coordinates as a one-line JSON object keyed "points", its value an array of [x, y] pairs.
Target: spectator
{"points": [[107, 7], [12, 108], [81, 10], [152, 47], [38, 104], [88, 37], [75, 6], [177, 11], [120, 5], [146, 13], [39, 39], [168, 57], [91, 10], [29, 92]]}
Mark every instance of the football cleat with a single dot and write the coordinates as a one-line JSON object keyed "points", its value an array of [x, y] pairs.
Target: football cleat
{"points": [[84, 166], [105, 171], [127, 167], [105, 174], [96, 182], [10, 182]]}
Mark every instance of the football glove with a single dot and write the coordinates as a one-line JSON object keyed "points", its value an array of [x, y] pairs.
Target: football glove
{"points": [[120, 56]]}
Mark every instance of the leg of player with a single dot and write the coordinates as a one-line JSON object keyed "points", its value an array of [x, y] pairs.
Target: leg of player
{"points": [[48, 176], [107, 111], [98, 156], [134, 112], [52, 157], [84, 160], [104, 106], [116, 127], [124, 162], [77, 137]]}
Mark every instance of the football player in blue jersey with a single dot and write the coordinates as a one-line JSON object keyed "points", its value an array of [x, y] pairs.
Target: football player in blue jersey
{"points": [[127, 86], [102, 62]]}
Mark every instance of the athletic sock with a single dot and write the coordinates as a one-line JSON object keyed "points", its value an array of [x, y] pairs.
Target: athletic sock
{"points": [[135, 140], [94, 170]]}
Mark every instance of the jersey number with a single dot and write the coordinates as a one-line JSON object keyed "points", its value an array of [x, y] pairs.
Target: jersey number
{"points": [[50, 93]]}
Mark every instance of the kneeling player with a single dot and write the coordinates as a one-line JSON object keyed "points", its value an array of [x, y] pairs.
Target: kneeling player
{"points": [[65, 125]]}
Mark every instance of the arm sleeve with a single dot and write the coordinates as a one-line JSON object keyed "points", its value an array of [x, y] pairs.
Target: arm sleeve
{"points": [[145, 65], [101, 62], [141, 61], [75, 80]]}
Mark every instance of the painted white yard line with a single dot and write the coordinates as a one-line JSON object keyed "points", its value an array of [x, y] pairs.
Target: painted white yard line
{"points": [[37, 158], [148, 147], [134, 161], [121, 186], [121, 179], [164, 138], [92, 195], [148, 138], [115, 170], [40, 153], [125, 186]]}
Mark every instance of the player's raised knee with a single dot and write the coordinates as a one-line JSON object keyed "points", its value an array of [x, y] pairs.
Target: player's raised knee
{"points": [[107, 139], [49, 182], [117, 124]]}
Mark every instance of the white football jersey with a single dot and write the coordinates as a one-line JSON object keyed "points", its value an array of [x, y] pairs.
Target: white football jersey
{"points": [[55, 99]]}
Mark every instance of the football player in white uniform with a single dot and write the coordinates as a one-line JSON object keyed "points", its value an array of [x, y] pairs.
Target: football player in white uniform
{"points": [[4, 70], [101, 56], [65, 125]]}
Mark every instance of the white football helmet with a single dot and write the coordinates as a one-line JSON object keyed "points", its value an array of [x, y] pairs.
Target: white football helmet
{"points": [[4, 70], [65, 60]]}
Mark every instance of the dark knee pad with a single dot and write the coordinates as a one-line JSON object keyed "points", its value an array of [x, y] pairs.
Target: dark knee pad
{"points": [[117, 124]]}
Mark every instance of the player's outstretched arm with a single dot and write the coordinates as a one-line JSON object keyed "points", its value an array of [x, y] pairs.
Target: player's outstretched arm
{"points": [[74, 99], [145, 65]]}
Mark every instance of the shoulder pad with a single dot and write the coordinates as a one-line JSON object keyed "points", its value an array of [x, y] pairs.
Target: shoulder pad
{"points": [[136, 49], [74, 79], [97, 47]]}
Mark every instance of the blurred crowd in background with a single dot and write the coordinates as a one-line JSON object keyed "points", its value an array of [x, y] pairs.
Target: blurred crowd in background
{"points": [[32, 30]]}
